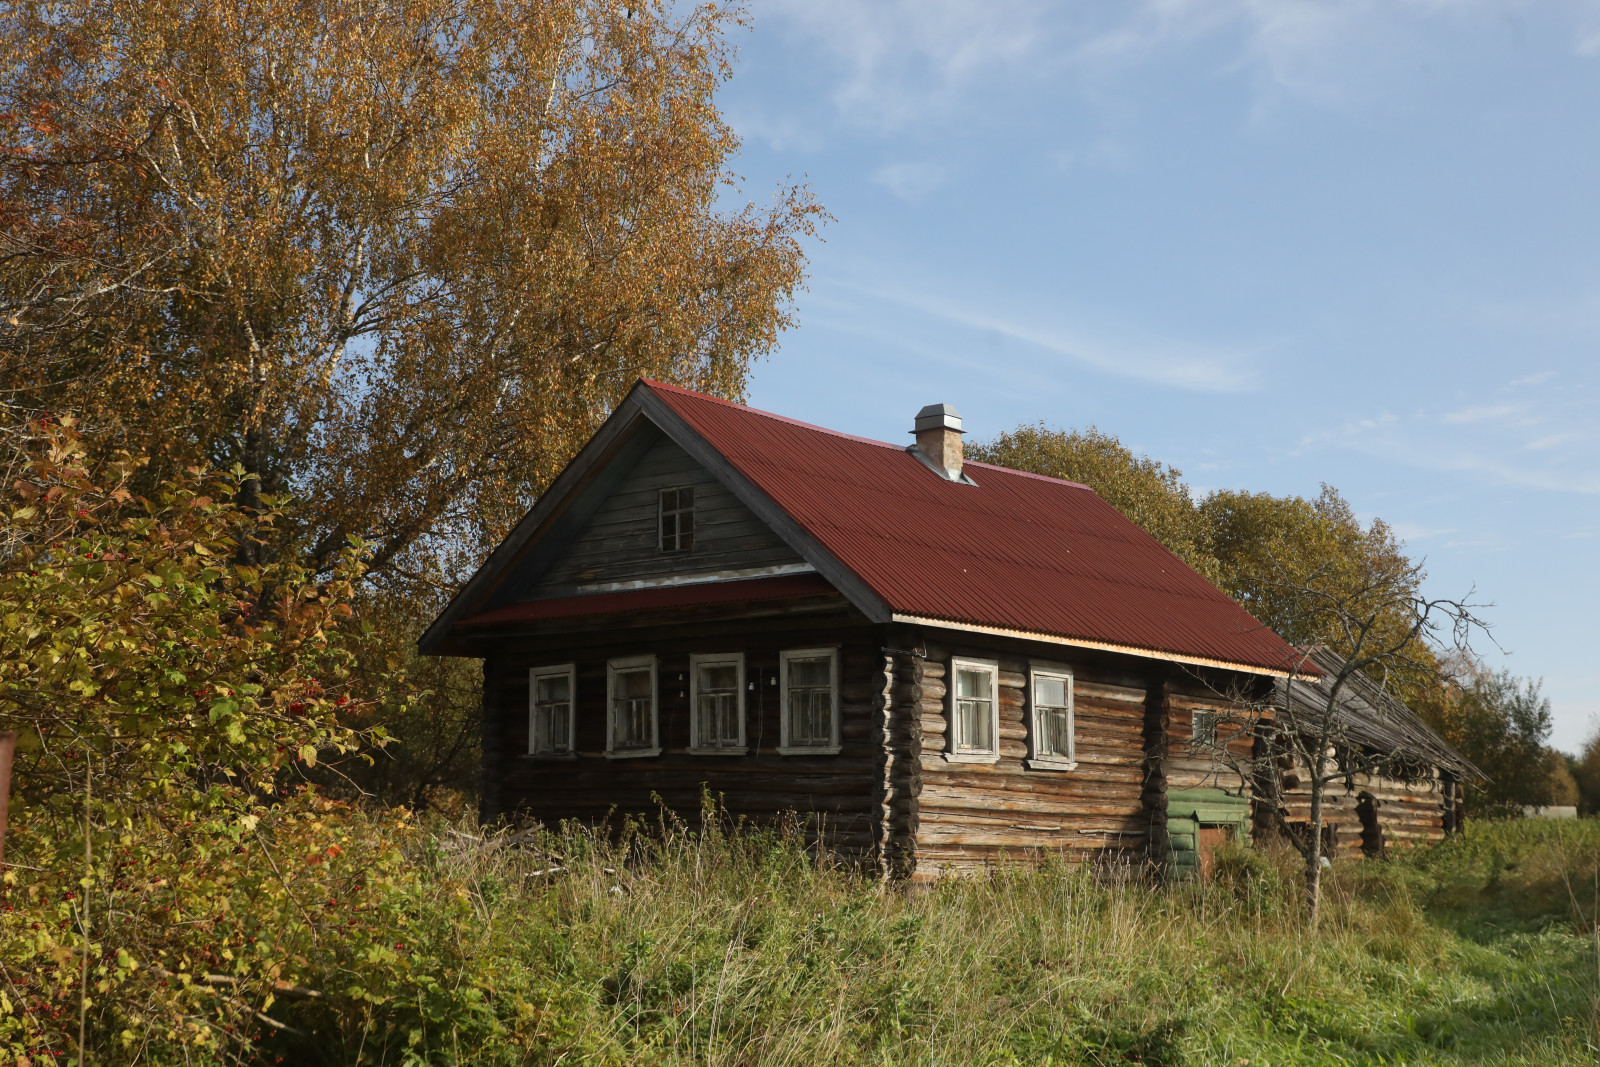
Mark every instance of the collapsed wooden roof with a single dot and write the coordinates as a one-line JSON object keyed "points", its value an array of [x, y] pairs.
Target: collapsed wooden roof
{"points": [[1367, 715]]}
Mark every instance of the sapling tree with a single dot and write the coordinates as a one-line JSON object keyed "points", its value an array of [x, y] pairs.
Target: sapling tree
{"points": [[1385, 632]]}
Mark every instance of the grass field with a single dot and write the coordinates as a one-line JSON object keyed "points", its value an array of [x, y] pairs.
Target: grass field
{"points": [[739, 948]]}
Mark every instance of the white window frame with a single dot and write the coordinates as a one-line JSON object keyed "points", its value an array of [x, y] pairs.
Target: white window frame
{"points": [[1197, 741], [534, 674], [696, 746], [785, 748], [1053, 761], [957, 663], [613, 668]]}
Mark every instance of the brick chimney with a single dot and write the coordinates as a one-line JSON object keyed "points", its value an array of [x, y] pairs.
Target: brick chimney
{"points": [[938, 430]]}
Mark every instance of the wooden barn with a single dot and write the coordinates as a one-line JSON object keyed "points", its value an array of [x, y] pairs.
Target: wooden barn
{"points": [[936, 663], [1405, 784]]}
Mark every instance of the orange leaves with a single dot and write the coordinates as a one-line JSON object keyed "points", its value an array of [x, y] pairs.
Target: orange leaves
{"points": [[396, 291]]}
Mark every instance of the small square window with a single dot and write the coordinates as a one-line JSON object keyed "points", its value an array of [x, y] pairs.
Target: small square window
{"points": [[974, 695], [1053, 745], [632, 727], [809, 681], [550, 710], [716, 693], [677, 519]]}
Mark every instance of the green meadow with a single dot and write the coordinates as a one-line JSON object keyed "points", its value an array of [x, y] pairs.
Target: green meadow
{"points": [[674, 945]]}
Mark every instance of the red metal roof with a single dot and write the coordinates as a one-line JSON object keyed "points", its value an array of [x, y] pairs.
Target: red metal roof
{"points": [[674, 596], [1016, 551]]}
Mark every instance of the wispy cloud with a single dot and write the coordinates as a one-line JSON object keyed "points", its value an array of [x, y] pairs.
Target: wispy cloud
{"points": [[1481, 443], [911, 182], [1177, 364], [1484, 413], [1534, 379], [891, 63]]}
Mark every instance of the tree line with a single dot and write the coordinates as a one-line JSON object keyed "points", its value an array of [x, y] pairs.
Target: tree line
{"points": [[1271, 553]]}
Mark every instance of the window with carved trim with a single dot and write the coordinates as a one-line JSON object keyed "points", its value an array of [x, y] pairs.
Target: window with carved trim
{"points": [[716, 693], [632, 726], [550, 701], [973, 695], [1050, 704], [809, 682]]}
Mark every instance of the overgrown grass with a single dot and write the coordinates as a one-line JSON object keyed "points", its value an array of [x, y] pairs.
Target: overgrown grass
{"points": [[706, 946]]}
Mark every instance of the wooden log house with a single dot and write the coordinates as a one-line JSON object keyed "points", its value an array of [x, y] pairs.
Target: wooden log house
{"points": [[936, 663]]}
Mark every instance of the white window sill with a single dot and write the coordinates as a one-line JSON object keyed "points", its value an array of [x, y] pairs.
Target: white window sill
{"points": [[1047, 763], [808, 750], [634, 753], [694, 751], [548, 756], [972, 757]]}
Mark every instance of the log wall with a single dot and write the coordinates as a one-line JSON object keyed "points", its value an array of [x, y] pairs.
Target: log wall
{"points": [[840, 798], [1371, 814], [971, 815]]}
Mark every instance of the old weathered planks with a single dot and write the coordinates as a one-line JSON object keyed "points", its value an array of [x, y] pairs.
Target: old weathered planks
{"points": [[620, 542]]}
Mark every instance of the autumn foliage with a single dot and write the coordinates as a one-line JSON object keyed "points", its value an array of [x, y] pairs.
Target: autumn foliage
{"points": [[168, 700]]}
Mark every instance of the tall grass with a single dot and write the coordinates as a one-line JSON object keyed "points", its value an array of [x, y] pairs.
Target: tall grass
{"points": [[709, 946]]}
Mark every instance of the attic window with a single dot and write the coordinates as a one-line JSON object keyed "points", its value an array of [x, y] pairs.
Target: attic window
{"points": [[677, 519]]}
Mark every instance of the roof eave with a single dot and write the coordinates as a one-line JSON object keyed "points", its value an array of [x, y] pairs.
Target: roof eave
{"points": [[1100, 646]]}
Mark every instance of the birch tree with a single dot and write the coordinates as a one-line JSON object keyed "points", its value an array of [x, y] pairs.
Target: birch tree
{"points": [[396, 257]]}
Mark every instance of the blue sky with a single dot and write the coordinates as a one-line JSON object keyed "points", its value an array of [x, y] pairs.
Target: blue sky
{"points": [[1273, 243]]}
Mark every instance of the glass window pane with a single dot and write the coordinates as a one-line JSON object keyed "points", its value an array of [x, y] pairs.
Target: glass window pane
{"points": [[1050, 692], [635, 683], [972, 683], [975, 728], [553, 687], [809, 672], [719, 676], [685, 497]]}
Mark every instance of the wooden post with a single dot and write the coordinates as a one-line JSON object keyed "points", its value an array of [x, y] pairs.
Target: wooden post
{"points": [[8, 747]]}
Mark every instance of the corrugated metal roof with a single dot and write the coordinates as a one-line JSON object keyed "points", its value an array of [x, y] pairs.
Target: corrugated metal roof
{"points": [[615, 603], [1015, 551]]}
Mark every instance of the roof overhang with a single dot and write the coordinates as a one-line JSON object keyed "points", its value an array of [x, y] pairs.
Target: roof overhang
{"points": [[1102, 646]]}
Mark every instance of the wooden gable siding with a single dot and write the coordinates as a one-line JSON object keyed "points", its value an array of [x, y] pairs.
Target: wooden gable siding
{"points": [[971, 815], [620, 542], [838, 798]]}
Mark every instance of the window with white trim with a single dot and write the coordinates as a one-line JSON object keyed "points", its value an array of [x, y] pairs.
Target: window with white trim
{"points": [[677, 519], [550, 719], [1203, 728], [1051, 729], [632, 708], [974, 702], [716, 695], [808, 679]]}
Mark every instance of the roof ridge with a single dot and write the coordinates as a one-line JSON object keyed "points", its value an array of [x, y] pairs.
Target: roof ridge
{"points": [[1028, 474], [848, 436], [652, 383]]}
